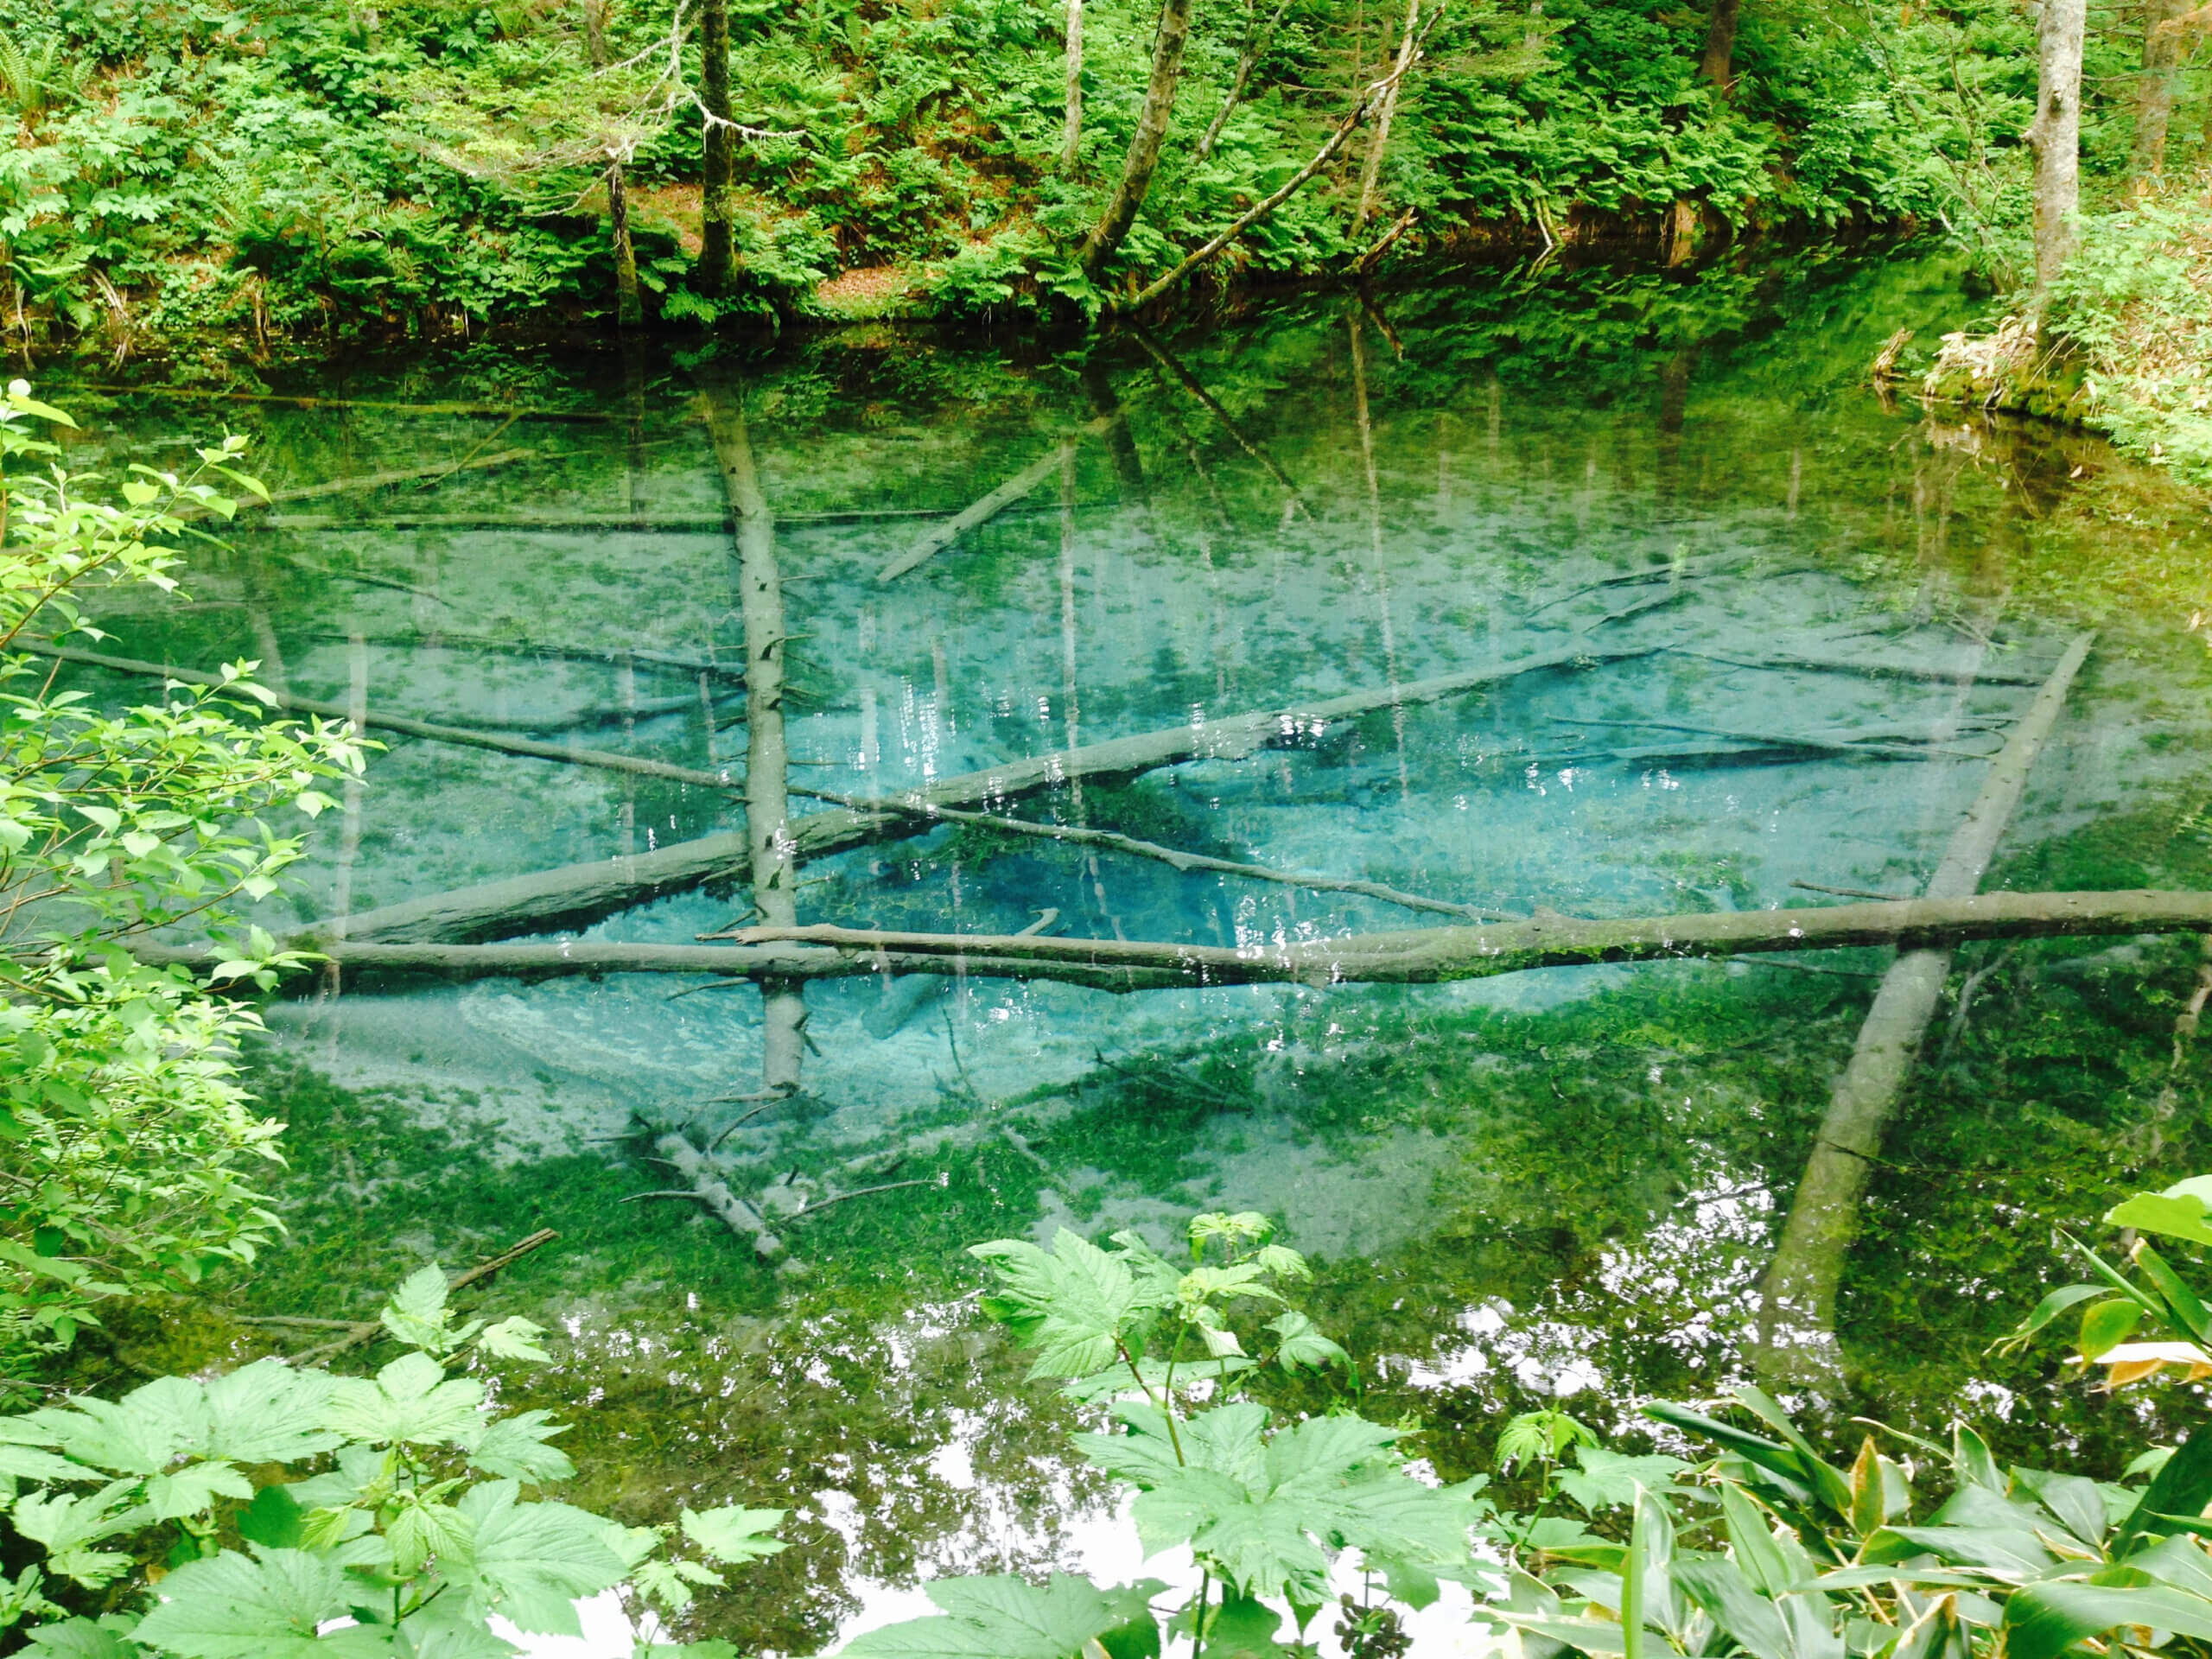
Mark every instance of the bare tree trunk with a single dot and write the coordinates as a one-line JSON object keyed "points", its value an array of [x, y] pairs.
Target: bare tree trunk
{"points": [[767, 799], [2163, 54], [1071, 134], [629, 309], [1144, 147], [1371, 173], [2055, 139], [718, 243], [1245, 64], [1719, 63]]}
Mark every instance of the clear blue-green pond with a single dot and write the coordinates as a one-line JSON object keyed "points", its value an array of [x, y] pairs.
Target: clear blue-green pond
{"points": [[1557, 1185]]}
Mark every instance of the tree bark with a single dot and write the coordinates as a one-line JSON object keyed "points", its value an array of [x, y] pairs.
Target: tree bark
{"points": [[577, 894], [1717, 65], [2055, 139], [2162, 55], [1799, 1292], [1122, 208], [1371, 173], [771, 851], [1071, 129], [1407, 957], [717, 232]]}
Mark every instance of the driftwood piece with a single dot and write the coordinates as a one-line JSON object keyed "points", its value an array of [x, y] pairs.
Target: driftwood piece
{"points": [[770, 851], [578, 895], [1173, 857], [705, 1186], [1801, 1283], [464, 736], [985, 509], [1407, 957]]}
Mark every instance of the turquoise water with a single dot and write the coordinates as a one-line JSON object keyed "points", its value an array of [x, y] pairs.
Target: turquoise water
{"points": [[1563, 1184]]}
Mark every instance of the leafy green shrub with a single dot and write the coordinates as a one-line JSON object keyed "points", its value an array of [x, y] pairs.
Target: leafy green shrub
{"points": [[412, 1537], [129, 1146]]}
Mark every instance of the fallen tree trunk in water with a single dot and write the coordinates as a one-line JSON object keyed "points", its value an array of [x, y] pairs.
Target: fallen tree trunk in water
{"points": [[1801, 1282], [465, 736], [1408, 957], [989, 506], [578, 895]]}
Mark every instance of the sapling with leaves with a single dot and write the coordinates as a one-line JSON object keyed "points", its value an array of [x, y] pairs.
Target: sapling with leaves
{"points": [[416, 1530], [1171, 1350], [129, 1144]]}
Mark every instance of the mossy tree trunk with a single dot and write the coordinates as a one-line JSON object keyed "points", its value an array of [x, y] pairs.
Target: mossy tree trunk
{"points": [[2055, 139], [1143, 158], [717, 237], [1719, 63], [629, 310]]}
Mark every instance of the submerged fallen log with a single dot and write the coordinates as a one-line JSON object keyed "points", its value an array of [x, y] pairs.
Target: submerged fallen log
{"points": [[618, 656], [466, 737], [369, 481], [578, 895], [988, 507], [1173, 857], [497, 411], [1801, 1282], [1407, 957], [1870, 667]]}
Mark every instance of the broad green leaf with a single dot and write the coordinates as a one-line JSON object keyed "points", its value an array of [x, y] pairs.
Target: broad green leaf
{"points": [[733, 1535], [2182, 1486], [1072, 1304], [1728, 1596], [1608, 1479], [2078, 1504], [267, 1412], [1242, 1628], [422, 1531], [514, 1338], [234, 1606], [514, 1447], [2172, 1216], [1303, 1347], [533, 1561], [1752, 1541], [85, 1639], [409, 1400], [193, 1489], [1001, 1618], [2044, 1620]]}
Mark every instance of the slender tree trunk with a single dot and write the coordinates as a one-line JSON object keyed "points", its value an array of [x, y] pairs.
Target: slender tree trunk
{"points": [[1071, 134], [1245, 65], [2055, 139], [1719, 63], [717, 248], [1371, 174], [2154, 92], [1152, 132], [629, 309]]}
